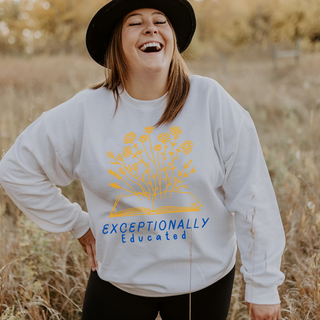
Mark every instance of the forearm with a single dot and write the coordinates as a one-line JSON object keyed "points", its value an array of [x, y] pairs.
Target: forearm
{"points": [[42, 201], [29, 172], [250, 195]]}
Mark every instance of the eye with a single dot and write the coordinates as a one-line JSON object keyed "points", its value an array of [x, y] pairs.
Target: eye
{"points": [[161, 22], [134, 24]]}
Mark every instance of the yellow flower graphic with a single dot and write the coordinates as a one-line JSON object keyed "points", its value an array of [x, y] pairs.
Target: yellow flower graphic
{"points": [[113, 173], [143, 138], [129, 137], [127, 151], [164, 137], [175, 131], [157, 176], [187, 147], [158, 147], [149, 129], [114, 185]]}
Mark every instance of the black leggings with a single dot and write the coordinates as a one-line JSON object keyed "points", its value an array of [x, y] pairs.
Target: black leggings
{"points": [[103, 301]]}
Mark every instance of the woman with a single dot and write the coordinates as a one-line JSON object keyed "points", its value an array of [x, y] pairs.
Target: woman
{"points": [[172, 172]]}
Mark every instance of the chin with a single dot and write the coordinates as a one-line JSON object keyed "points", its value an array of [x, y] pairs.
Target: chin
{"points": [[156, 67]]}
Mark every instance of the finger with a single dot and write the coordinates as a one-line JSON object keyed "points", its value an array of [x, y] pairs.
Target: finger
{"points": [[84, 248], [279, 315], [250, 311], [95, 255], [91, 258]]}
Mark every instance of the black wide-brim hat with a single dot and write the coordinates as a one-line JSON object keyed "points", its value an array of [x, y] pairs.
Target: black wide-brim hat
{"points": [[179, 12]]}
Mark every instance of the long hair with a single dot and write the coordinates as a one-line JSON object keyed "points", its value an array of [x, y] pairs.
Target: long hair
{"points": [[178, 85]]}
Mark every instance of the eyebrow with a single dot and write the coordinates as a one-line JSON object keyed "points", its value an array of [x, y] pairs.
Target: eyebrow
{"points": [[139, 14]]}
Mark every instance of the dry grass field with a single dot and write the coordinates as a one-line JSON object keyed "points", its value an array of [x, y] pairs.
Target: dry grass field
{"points": [[43, 276]]}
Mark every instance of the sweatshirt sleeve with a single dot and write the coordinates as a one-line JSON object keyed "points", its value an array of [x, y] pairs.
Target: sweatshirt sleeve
{"points": [[250, 196], [29, 173]]}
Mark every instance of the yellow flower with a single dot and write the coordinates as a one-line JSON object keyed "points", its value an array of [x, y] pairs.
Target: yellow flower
{"points": [[143, 138], [187, 147], [110, 154], [175, 130], [149, 129], [113, 173], [122, 171], [135, 166], [114, 185], [127, 151], [129, 137], [164, 137], [158, 147], [120, 157]]}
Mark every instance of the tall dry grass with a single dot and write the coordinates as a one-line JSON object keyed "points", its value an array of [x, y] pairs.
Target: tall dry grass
{"points": [[43, 276]]}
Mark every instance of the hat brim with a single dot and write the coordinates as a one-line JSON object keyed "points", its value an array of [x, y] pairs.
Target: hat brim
{"points": [[179, 12]]}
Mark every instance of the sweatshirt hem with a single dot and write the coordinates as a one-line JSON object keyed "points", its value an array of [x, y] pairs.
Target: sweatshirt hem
{"points": [[153, 294]]}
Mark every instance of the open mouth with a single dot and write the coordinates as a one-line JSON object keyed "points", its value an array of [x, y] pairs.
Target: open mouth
{"points": [[151, 47]]}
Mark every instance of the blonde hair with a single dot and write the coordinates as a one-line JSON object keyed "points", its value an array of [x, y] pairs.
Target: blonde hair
{"points": [[178, 85]]}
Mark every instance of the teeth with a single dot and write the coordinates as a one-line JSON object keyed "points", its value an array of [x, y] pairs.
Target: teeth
{"points": [[151, 44]]}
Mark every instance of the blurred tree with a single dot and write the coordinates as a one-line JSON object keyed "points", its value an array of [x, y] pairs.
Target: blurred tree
{"points": [[287, 20], [12, 25], [45, 26], [223, 25]]}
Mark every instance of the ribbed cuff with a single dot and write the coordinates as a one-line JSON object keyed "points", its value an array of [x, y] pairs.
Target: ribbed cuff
{"points": [[81, 226], [262, 295]]}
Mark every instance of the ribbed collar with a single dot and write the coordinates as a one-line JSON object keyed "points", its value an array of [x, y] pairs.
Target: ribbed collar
{"points": [[142, 105]]}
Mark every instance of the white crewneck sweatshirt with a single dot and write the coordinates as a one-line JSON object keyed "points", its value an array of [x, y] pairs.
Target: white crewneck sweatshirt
{"points": [[159, 199]]}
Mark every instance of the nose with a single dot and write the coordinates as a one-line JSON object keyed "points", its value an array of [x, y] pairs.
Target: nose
{"points": [[150, 29]]}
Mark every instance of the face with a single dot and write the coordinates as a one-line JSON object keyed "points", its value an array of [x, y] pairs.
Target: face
{"points": [[147, 41]]}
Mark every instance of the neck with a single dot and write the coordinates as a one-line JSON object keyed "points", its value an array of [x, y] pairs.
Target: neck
{"points": [[147, 87]]}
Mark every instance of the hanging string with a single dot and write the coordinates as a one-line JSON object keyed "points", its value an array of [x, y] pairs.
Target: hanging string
{"points": [[190, 256]]}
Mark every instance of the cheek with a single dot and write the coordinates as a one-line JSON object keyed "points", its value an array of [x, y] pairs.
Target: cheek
{"points": [[170, 39], [126, 44], [124, 40], [126, 37], [170, 45]]}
